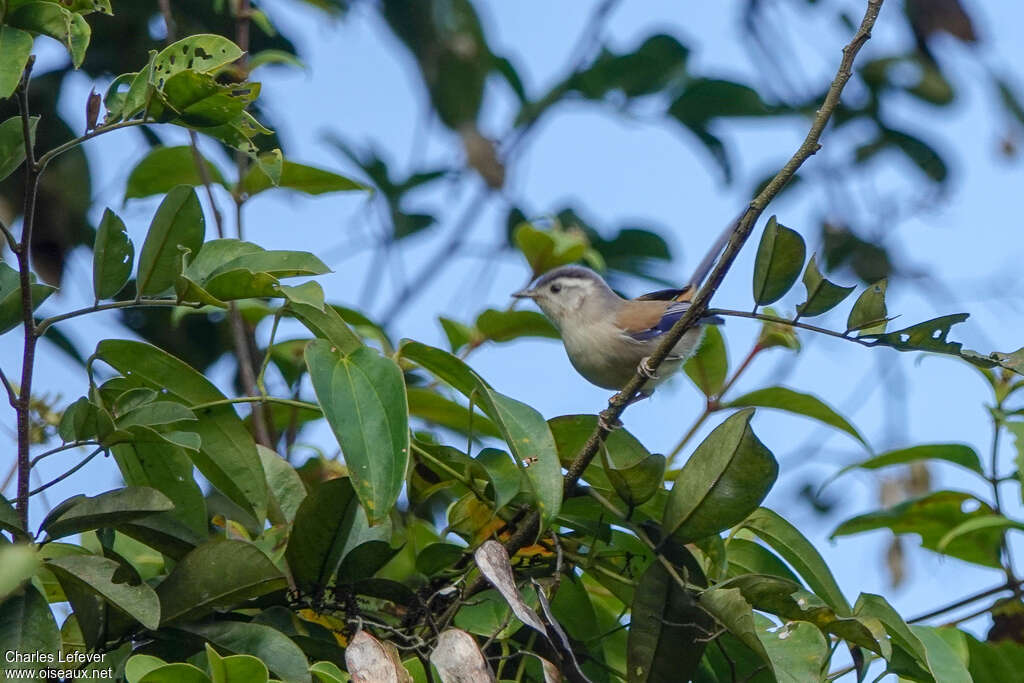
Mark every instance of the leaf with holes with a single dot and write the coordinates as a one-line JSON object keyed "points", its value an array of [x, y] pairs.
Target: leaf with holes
{"points": [[927, 336], [822, 295]]}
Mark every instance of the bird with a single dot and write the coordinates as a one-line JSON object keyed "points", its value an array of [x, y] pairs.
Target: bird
{"points": [[606, 337]]}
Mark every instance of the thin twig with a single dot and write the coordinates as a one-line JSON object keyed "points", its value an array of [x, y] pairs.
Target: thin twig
{"points": [[45, 323], [80, 465], [40, 165], [939, 611], [62, 447], [791, 323], [739, 235], [12, 395]]}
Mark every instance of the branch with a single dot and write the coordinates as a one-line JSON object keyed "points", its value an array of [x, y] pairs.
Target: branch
{"points": [[255, 399], [24, 254], [964, 601], [63, 447], [738, 236], [132, 303], [792, 323], [40, 165], [80, 465]]}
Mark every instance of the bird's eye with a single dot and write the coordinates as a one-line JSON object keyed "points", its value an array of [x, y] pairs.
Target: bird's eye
{"points": [[556, 288]]}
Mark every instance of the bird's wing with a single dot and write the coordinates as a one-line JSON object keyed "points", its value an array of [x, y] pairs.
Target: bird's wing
{"points": [[645, 320], [684, 294]]}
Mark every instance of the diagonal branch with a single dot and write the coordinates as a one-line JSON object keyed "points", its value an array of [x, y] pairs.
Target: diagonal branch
{"points": [[737, 237]]}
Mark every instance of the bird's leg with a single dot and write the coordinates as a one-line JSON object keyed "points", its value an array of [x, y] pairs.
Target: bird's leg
{"points": [[603, 423], [646, 370]]}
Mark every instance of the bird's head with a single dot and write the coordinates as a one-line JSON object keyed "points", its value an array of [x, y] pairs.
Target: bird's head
{"points": [[567, 292]]}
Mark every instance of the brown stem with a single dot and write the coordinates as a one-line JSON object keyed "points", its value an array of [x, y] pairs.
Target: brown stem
{"points": [[738, 237], [24, 254], [962, 602]]}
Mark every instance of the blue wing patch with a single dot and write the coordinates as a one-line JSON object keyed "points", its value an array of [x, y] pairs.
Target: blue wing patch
{"points": [[672, 314]]}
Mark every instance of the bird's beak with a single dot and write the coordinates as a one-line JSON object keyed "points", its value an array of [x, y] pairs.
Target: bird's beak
{"points": [[524, 294]]}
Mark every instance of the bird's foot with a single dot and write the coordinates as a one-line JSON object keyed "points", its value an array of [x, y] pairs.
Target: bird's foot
{"points": [[646, 370], [608, 426]]}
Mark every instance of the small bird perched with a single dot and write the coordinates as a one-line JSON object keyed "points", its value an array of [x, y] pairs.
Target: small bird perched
{"points": [[608, 337]]}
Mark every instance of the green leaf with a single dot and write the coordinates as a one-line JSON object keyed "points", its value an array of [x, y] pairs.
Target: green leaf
{"points": [[279, 263], [218, 575], [976, 524], [523, 428], [328, 672], [437, 557], [941, 656], [168, 470], [791, 401], [363, 398], [227, 457], [822, 295], [795, 549], [20, 563], [15, 47], [709, 366], [877, 607], [431, 406], [200, 101], [708, 98], [178, 672], [547, 249], [272, 162], [795, 653], [9, 520], [265, 57], [308, 293], [203, 53], [994, 661], [932, 517], [27, 626], [103, 577], [12, 140], [503, 326], [955, 453], [927, 336], [868, 314], [138, 666], [726, 478], [307, 179], [780, 256], [282, 656], [749, 557], [667, 630], [284, 484], [775, 334], [10, 297], [106, 509], [326, 324], [636, 483], [178, 223], [504, 476], [166, 167], [113, 256], [235, 667], [323, 525], [458, 334], [50, 19]]}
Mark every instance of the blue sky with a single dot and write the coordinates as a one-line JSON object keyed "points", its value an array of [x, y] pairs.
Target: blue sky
{"points": [[361, 85]]}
